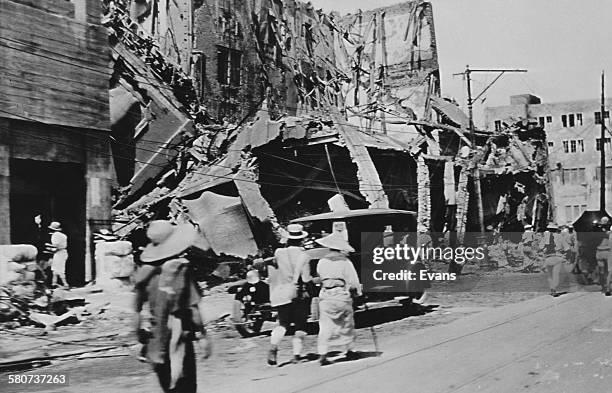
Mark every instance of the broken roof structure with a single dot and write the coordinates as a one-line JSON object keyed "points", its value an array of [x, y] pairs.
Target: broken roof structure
{"points": [[328, 105]]}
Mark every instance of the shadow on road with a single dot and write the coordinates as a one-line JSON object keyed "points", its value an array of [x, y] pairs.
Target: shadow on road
{"points": [[373, 317], [311, 357]]}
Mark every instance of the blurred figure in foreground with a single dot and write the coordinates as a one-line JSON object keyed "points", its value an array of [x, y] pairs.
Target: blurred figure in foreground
{"points": [[165, 281]]}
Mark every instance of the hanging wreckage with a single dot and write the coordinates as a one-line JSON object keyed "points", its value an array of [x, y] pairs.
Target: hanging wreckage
{"points": [[256, 113]]}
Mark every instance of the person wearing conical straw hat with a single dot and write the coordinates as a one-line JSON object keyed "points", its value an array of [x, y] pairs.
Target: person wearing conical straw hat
{"points": [[339, 284], [166, 281]]}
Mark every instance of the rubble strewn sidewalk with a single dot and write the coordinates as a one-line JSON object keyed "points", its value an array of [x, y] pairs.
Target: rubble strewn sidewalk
{"points": [[89, 321]]}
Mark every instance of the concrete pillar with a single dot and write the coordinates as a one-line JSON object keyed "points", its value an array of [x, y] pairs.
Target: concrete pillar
{"points": [[98, 189], [423, 193], [5, 184], [462, 204]]}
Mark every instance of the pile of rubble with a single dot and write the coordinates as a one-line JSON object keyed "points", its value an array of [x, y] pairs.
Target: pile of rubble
{"points": [[25, 300], [346, 108]]}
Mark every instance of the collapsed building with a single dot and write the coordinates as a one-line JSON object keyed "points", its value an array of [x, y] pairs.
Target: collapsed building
{"points": [[242, 115]]}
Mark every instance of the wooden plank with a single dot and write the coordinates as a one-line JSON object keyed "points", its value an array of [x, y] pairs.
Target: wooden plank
{"points": [[58, 7], [11, 82], [55, 69], [35, 41]]}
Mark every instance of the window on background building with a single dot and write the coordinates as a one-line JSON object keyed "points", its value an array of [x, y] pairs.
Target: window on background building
{"points": [[581, 145], [228, 76], [598, 143], [573, 146], [549, 119], [576, 211], [551, 144], [598, 116], [541, 121], [564, 120], [608, 173], [579, 118], [228, 66], [571, 120], [498, 125], [568, 212], [575, 176], [565, 146]]}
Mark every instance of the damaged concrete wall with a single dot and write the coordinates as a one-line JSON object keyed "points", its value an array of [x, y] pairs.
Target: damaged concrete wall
{"points": [[272, 62], [223, 223]]}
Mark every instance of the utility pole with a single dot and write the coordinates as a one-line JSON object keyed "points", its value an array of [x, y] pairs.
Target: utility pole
{"points": [[470, 103], [602, 146]]}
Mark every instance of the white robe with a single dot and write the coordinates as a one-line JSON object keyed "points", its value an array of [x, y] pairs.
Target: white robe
{"points": [[336, 320]]}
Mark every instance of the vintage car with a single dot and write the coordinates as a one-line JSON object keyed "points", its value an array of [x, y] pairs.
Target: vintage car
{"points": [[379, 223]]}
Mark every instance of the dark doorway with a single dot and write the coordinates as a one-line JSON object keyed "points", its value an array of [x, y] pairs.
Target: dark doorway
{"points": [[56, 191]]}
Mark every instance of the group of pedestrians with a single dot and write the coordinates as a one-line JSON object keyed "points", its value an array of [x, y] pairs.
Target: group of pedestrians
{"points": [[289, 279], [562, 252], [165, 280]]}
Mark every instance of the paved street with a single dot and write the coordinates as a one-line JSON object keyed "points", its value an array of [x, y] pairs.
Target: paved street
{"points": [[543, 345], [464, 342]]}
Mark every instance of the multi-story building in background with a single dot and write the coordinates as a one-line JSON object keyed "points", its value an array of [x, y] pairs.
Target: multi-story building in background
{"points": [[573, 135], [54, 123]]}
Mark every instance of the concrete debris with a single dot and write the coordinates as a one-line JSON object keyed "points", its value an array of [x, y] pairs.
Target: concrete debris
{"points": [[370, 185], [26, 300], [254, 203], [223, 223], [451, 112], [327, 104], [114, 260]]}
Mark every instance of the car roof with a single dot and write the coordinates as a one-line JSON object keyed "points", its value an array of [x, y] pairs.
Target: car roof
{"points": [[342, 215]]}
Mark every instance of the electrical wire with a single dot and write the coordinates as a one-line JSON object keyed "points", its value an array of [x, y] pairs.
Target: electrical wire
{"points": [[357, 127], [98, 71], [356, 184], [399, 187]]}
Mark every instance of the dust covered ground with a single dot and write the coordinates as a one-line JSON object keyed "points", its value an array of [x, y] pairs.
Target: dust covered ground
{"points": [[237, 360]]}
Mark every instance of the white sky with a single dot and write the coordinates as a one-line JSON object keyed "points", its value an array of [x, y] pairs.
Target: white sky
{"points": [[564, 45]]}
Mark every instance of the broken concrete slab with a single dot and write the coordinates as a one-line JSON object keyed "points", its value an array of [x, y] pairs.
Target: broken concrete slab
{"points": [[223, 223], [370, 184]]}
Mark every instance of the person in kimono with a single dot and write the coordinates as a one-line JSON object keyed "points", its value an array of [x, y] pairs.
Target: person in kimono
{"points": [[339, 286]]}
